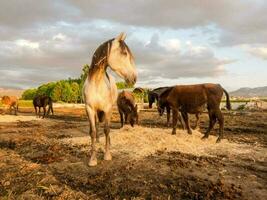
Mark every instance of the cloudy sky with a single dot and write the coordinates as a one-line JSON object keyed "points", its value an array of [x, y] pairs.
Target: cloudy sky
{"points": [[173, 41]]}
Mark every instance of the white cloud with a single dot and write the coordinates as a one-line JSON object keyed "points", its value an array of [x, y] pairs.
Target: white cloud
{"points": [[27, 43], [171, 44], [59, 37], [260, 52]]}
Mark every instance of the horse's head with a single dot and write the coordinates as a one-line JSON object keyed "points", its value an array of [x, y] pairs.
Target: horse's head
{"points": [[151, 98], [160, 107], [121, 60]]}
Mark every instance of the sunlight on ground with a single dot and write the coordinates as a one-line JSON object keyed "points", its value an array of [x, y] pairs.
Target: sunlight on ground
{"points": [[139, 142], [15, 118]]}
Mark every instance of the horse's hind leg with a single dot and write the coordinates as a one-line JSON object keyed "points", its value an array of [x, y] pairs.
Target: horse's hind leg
{"points": [[39, 112], [35, 108], [91, 116], [197, 120], [107, 155], [186, 120], [212, 118], [220, 118]]}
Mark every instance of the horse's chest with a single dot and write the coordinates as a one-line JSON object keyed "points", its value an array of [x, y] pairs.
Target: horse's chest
{"points": [[99, 96]]}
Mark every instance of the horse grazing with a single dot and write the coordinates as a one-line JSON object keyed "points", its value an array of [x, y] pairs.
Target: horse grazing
{"points": [[153, 95], [127, 107], [100, 90], [42, 101], [11, 102], [193, 99]]}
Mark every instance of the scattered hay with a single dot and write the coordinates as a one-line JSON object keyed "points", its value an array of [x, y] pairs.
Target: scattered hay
{"points": [[139, 142], [15, 118]]}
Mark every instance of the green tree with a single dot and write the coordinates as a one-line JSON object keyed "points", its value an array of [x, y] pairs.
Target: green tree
{"points": [[84, 73], [29, 94], [46, 89], [123, 85], [75, 92], [66, 92], [56, 94]]}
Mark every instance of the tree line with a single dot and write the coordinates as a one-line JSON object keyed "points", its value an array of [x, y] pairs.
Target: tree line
{"points": [[69, 90]]}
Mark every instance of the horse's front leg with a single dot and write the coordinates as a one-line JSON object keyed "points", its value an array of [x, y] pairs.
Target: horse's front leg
{"points": [[107, 155], [121, 115], [168, 115], [91, 116], [44, 111]]}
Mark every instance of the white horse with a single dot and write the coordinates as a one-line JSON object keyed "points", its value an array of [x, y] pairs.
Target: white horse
{"points": [[100, 90]]}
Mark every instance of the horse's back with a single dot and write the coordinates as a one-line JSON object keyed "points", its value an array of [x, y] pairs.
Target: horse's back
{"points": [[125, 99], [9, 100]]}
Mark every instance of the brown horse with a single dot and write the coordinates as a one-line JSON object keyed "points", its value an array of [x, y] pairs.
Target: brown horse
{"points": [[127, 107], [11, 102], [100, 90], [153, 96], [192, 99]]}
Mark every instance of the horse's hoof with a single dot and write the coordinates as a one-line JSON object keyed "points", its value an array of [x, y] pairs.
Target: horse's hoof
{"points": [[174, 133], [189, 132], [107, 156], [92, 162], [97, 140]]}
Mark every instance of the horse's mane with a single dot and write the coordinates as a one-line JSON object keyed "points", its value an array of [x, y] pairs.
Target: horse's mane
{"points": [[100, 57], [165, 93]]}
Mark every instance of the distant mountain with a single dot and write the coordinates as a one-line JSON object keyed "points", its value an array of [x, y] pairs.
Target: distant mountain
{"points": [[250, 92], [10, 92]]}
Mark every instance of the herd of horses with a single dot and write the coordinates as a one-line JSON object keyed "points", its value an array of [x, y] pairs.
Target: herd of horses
{"points": [[100, 94]]}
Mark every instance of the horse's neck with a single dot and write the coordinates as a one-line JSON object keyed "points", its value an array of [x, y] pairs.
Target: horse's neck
{"points": [[97, 73]]}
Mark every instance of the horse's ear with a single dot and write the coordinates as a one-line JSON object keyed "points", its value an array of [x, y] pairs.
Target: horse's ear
{"points": [[121, 36]]}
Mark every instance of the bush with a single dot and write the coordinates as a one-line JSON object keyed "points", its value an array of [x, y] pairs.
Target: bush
{"points": [[241, 107], [29, 94]]}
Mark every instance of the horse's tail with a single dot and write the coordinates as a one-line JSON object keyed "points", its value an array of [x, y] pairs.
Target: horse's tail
{"points": [[228, 104], [100, 115]]}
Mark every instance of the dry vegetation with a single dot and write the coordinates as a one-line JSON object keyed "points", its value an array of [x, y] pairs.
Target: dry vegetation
{"points": [[47, 159]]}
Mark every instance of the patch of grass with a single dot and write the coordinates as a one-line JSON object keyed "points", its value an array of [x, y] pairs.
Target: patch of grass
{"points": [[25, 103]]}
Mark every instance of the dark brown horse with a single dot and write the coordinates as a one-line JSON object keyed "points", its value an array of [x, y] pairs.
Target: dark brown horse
{"points": [[127, 107], [43, 101], [11, 102], [153, 96], [192, 99]]}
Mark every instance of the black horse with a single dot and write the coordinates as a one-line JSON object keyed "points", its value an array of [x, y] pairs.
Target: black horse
{"points": [[154, 95], [42, 101]]}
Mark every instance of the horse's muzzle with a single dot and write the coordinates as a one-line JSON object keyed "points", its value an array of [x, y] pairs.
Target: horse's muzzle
{"points": [[131, 80]]}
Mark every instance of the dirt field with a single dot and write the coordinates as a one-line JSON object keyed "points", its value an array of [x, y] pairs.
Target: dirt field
{"points": [[47, 159]]}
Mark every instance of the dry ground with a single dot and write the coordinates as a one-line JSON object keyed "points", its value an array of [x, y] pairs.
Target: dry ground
{"points": [[47, 159]]}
